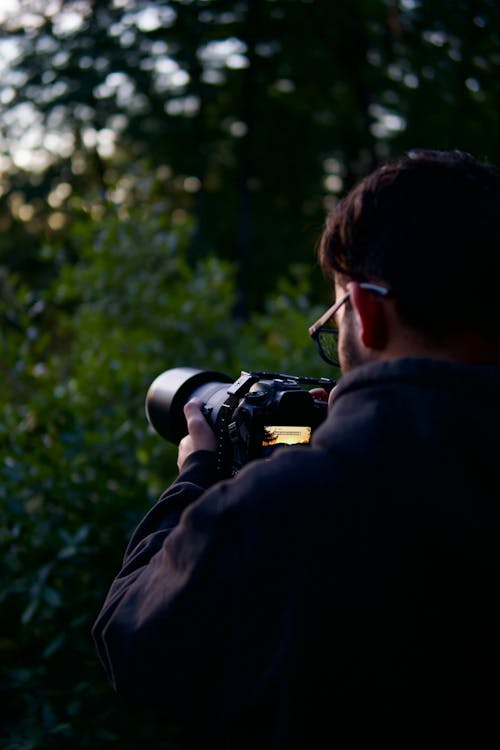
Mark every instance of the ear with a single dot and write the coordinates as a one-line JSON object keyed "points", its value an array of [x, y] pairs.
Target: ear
{"points": [[371, 313]]}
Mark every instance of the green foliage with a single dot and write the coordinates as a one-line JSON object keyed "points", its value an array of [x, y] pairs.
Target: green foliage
{"points": [[79, 464], [277, 338], [261, 113], [255, 141]]}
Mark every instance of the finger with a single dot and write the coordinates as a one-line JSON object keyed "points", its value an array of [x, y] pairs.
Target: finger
{"points": [[319, 393], [202, 435], [194, 415], [195, 401], [185, 448]]}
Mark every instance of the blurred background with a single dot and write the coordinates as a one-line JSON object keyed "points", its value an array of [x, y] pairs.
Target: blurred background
{"points": [[165, 171]]}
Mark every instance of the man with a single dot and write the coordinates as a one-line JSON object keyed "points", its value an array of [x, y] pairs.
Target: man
{"points": [[348, 591]]}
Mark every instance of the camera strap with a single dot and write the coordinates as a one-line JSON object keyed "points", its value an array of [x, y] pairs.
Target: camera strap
{"points": [[226, 411]]}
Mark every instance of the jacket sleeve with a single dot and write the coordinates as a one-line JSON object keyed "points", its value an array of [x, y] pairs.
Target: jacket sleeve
{"points": [[170, 623], [198, 618], [146, 543]]}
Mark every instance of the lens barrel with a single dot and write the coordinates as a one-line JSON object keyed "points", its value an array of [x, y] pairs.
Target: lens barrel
{"points": [[172, 389]]}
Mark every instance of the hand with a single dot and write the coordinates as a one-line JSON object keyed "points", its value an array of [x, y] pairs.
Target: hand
{"points": [[320, 394], [323, 395], [200, 435]]}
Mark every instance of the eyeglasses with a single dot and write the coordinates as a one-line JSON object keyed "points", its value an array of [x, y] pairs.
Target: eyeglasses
{"points": [[325, 332]]}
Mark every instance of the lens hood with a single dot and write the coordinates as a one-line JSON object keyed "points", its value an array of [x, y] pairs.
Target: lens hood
{"points": [[172, 389]]}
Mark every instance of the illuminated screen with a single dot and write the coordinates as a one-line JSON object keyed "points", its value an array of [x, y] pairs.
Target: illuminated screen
{"points": [[276, 435]]}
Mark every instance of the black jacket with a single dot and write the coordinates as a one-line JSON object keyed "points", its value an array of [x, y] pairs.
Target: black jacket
{"points": [[330, 594]]}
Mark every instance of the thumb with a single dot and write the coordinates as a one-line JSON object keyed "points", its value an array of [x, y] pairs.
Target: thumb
{"points": [[202, 435]]}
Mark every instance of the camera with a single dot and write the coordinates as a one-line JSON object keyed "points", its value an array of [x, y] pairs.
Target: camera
{"points": [[251, 416]]}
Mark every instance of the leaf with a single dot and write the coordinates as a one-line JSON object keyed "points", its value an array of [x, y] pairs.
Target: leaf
{"points": [[30, 610], [54, 646]]}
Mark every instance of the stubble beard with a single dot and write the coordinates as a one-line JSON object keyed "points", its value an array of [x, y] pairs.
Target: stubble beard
{"points": [[352, 353]]}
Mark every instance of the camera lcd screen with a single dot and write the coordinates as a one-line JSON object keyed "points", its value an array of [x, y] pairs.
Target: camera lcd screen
{"points": [[282, 435]]}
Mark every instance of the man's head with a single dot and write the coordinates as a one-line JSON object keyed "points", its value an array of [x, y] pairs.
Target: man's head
{"points": [[427, 228]]}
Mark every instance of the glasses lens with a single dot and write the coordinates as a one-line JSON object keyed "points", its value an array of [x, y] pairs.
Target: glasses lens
{"points": [[327, 340]]}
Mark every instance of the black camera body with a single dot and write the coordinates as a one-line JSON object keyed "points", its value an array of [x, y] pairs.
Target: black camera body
{"points": [[251, 417]]}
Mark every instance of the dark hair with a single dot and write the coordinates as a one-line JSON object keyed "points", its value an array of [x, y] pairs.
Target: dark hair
{"points": [[428, 226]]}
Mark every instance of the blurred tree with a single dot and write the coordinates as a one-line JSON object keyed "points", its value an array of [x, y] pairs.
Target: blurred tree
{"points": [[257, 113], [443, 79], [79, 464], [208, 138]]}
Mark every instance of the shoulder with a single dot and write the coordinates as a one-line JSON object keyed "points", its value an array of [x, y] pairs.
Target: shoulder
{"points": [[289, 484]]}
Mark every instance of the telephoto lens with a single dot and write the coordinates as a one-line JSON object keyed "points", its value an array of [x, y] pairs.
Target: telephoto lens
{"points": [[172, 389]]}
